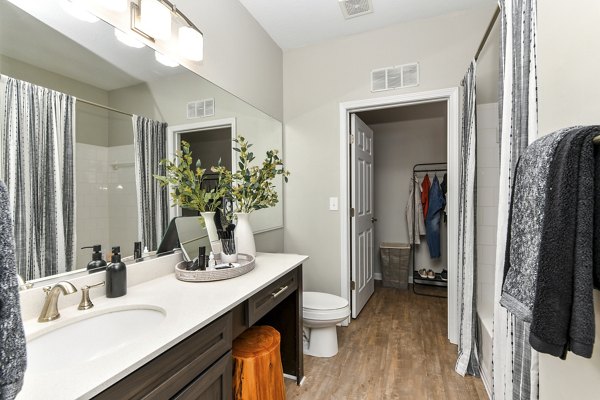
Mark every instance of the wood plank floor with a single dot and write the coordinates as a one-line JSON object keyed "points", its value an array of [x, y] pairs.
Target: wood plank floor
{"points": [[396, 349]]}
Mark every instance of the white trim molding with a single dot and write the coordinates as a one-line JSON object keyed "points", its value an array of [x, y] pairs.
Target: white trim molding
{"points": [[450, 95]]}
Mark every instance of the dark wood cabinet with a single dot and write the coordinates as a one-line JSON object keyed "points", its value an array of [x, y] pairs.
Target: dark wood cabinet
{"points": [[166, 375], [213, 384], [200, 366]]}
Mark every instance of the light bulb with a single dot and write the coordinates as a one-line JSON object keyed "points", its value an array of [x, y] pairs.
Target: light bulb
{"points": [[191, 43], [165, 60], [128, 39], [155, 19]]}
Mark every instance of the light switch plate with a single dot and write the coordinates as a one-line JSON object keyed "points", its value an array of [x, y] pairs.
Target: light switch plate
{"points": [[333, 204]]}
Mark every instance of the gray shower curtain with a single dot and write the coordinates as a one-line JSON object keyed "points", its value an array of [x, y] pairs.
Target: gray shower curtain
{"points": [[468, 359], [514, 362], [150, 147], [36, 163]]}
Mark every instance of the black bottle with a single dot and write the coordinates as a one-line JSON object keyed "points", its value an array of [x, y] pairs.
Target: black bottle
{"points": [[116, 275], [137, 250], [97, 264]]}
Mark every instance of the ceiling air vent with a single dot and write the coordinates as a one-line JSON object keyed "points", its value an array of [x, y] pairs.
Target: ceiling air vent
{"points": [[355, 8], [399, 76], [201, 108]]}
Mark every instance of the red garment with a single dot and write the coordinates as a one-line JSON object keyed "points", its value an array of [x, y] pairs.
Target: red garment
{"points": [[425, 194]]}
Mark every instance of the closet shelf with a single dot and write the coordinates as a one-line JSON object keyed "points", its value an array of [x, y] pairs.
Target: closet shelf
{"points": [[437, 281]]}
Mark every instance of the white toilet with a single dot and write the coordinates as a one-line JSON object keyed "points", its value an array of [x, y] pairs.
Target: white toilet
{"points": [[322, 311]]}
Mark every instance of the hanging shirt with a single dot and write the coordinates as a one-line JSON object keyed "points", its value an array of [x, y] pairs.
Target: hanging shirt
{"points": [[425, 186], [414, 203]]}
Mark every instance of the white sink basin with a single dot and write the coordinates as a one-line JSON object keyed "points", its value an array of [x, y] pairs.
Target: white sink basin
{"points": [[95, 335]]}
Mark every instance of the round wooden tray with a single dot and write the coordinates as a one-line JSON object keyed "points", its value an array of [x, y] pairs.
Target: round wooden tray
{"points": [[246, 262]]}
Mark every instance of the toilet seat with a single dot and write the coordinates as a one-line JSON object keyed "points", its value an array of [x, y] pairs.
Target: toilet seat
{"points": [[324, 306]]}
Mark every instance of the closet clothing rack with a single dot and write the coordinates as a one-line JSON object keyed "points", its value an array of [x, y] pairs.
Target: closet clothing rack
{"points": [[417, 279]]}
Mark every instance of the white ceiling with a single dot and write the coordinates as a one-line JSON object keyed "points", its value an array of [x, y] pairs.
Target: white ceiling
{"points": [[297, 23]]}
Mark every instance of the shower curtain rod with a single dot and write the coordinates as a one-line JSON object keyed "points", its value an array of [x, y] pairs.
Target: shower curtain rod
{"points": [[487, 32], [91, 103]]}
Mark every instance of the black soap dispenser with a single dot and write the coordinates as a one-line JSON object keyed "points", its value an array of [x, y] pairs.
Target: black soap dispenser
{"points": [[97, 264], [116, 275]]}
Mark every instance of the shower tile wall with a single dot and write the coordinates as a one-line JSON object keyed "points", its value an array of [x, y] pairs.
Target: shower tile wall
{"points": [[106, 210], [488, 175], [91, 208], [123, 227]]}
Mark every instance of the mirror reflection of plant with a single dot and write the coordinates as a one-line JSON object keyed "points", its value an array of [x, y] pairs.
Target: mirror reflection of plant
{"points": [[187, 182], [252, 187]]}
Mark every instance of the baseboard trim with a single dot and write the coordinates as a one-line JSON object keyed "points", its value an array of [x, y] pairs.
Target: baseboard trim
{"points": [[487, 382], [377, 276]]}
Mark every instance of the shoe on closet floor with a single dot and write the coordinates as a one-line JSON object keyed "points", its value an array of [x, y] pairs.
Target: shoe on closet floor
{"points": [[445, 275], [430, 274], [422, 273]]}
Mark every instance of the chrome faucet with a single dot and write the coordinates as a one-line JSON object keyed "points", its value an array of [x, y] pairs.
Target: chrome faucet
{"points": [[50, 309]]}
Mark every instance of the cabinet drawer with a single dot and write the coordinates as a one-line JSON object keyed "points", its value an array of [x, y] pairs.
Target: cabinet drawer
{"points": [[167, 374], [262, 302], [214, 383]]}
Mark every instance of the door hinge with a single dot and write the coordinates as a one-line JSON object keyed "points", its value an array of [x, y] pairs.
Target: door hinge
{"points": [[352, 285], [352, 212], [351, 139]]}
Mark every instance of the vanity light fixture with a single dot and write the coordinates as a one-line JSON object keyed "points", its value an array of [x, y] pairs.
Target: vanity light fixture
{"points": [[77, 10], [128, 39], [154, 20], [165, 60]]}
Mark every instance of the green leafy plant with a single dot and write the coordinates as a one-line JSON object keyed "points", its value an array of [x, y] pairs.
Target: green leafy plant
{"points": [[187, 180], [251, 186]]}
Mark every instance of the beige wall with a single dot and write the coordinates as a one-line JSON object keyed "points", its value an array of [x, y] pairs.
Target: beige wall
{"points": [[419, 136], [91, 122], [316, 79], [569, 83], [239, 55]]}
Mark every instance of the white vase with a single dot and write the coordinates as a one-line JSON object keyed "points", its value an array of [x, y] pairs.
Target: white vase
{"points": [[211, 230], [244, 238]]}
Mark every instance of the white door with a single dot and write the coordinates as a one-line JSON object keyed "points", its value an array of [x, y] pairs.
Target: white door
{"points": [[362, 220]]}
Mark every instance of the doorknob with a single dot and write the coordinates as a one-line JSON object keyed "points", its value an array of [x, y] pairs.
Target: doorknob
{"points": [[373, 220]]}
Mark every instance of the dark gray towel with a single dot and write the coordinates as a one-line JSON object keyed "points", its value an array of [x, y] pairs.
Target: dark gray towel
{"points": [[597, 217], [13, 358], [526, 217], [563, 314]]}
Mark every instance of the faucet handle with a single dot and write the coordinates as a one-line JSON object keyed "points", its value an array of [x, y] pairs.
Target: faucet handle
{"points": [[86, 303]]}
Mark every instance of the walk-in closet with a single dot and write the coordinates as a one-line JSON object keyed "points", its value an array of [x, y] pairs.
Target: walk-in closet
{"points": [[409, 196]]}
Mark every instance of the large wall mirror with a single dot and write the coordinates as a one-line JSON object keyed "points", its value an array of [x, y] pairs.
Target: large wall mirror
{"points": [[42, 44]]}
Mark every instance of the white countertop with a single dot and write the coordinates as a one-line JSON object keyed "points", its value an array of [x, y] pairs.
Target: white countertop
{"points": [[189, 307]]}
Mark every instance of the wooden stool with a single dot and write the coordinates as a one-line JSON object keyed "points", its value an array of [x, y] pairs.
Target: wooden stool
{"points": [[257, 370]]}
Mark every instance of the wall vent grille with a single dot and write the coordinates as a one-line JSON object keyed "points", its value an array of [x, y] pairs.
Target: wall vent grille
{"points": [[201, 108], [355, 8], [399, 76]]}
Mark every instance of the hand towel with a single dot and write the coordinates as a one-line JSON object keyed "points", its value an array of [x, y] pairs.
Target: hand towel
{"points": [[13, 357], [563, 316], [526, 216]]}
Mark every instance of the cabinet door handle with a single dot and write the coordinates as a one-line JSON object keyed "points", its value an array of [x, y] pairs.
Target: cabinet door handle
{"points": [[281, 290]]}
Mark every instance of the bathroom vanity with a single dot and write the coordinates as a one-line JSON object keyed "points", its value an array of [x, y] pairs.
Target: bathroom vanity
{"points": [[187, 355]]}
